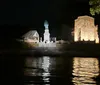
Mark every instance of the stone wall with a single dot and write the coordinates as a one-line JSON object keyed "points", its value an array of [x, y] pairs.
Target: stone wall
{"points": [[85, 29]]}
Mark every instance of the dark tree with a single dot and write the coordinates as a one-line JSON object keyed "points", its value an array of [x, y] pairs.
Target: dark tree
{"points": [[94, 7]]}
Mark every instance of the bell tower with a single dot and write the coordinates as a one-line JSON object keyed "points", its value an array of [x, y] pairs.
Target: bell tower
{"points": [[46, 32]]}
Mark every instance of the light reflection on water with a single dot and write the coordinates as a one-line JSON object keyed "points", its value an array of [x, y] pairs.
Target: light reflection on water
{"points": [[47, 70], [45, 66], [39, 66], [84, 70]]}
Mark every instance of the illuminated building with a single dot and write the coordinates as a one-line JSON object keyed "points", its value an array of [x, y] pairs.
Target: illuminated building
{"points": [[31, 36], [46, 33], [85, 30]]}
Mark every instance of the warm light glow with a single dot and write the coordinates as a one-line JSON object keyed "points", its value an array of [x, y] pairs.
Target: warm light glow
{"points": [[84, 69], [31, 36], [85, 30]]}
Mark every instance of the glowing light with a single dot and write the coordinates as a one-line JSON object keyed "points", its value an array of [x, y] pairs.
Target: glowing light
{"points": [[46, 33], [46, 24], [84, 69], [45, 66], [31, 36], [85, 30]]}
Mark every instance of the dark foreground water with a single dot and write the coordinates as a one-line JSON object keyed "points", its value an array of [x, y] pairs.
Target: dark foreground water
{"points": [[47, 70]]}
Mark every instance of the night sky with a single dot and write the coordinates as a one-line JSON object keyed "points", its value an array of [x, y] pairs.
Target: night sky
{"points": [[19, 16]]}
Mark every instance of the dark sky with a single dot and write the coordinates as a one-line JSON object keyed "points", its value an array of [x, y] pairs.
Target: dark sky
{"points": [[34, 12], [18, 16]]}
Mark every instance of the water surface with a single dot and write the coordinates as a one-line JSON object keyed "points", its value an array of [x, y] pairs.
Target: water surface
{"points": [[59, 70]]}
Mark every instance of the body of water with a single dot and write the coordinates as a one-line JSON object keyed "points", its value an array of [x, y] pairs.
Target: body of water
{"points": [[47, 70]]}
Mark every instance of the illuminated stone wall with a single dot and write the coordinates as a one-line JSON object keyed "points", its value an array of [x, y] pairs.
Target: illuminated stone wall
{"points": [[85, 30]]}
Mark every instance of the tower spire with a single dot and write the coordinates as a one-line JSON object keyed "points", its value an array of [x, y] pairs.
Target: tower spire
{"points": [[46, 24]]}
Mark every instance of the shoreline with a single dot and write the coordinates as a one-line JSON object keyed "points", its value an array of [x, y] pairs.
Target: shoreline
{"points": [[49, 53]]}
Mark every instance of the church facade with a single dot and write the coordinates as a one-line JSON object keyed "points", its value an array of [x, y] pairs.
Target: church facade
{"points": [[85, 30]]}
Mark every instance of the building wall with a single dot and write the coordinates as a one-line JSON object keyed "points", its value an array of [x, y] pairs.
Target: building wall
{"points": [[46, 36], [85, 30], [31, 36]]}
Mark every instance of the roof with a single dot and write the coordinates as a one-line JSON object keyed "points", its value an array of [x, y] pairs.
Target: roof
{"points": [[31, 34]]}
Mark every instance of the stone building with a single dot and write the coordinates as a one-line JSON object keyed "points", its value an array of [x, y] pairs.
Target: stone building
{"points": [[46, 32], [31, 36], [85, 29]]}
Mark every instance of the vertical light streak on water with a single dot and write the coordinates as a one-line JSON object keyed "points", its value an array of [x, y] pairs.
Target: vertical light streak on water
{"points": [[84, 70], [45, 67], [39, 68]]}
